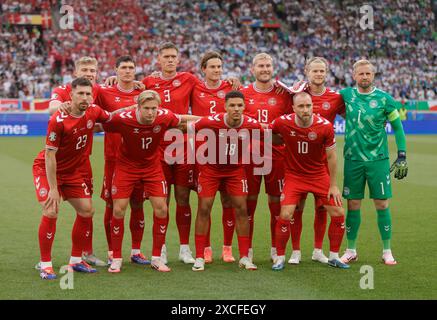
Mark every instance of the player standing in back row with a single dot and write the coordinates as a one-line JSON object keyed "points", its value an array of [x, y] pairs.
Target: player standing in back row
{"points": [[366, 157]]}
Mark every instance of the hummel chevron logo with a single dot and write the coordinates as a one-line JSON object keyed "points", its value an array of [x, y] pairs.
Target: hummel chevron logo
{"points": [[116, 230], [386, 228], [61, 117], [230, 223], [342, 225], [125, 115], [162, 229], [284, 229], [142, 224], [87, 234], [49, 235], [187, 214], [348, 229]]}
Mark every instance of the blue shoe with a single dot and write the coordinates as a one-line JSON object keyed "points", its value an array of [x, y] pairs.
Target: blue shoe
{"points": [[83, 267], [279, 264], [47, 274], [139, 259], [336, 263]]}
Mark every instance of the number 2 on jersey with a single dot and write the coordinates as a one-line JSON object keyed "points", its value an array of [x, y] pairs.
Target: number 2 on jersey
{"points": [[81, 142]]}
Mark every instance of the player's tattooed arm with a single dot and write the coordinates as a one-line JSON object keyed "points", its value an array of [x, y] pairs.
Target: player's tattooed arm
{"points": [[334, 191], [53, 197]]}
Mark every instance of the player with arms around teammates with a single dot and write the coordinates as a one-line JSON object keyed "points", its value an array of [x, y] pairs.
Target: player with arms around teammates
{"points": [[368, 109]]}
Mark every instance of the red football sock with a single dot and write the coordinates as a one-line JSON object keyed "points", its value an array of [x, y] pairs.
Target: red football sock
{"points": [[136, 225], [208, 234], [117, 232], [296, 229], [80, 235], [282, 233], [200, 240], [275, 210], [243, 245], [107, 224], [251, 207], [319, 227], [336, 233], [228, 221], [159, 232], [46, 235], [183, 222], [89, 243]]}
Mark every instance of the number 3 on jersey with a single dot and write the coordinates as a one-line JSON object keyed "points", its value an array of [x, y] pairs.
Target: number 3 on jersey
{"points": [[166, 95]]}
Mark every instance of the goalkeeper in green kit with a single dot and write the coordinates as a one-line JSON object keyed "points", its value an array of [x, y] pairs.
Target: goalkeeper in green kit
{"points": [[366, 156]]}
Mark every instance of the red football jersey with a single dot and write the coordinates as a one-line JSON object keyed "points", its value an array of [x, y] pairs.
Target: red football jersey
{"points": [[266, 106], [175, 92], [328, 104], [70, 136], [140, 144], [305, 147], [62, 93], [111, 99], [207, 101], [229, 146]]}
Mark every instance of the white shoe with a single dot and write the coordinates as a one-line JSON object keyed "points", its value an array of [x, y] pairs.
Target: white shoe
{"points": [[164, 254], [295, 257], [273, 254], [92, 260], [199, 265], [387, 258], [159, 265], [186, 256], [319, 256], [349, 256], [279, 263], [250, 254], [246, 263], [115, 266]]}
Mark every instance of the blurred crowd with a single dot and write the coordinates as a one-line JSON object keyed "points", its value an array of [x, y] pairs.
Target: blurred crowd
{"points": [[402, 42]]}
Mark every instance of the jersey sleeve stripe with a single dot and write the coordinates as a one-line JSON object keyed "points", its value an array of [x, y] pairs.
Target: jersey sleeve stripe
{"points": [[51, 148], [331, 147], [393, 115]]}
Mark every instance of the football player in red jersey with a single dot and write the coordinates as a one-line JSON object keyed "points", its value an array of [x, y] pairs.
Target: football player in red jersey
{"points": [[265, 104], [138, 162], [57, 172], [229, 131], [310, 143], [112, 98], [328, 104], [85, 67], [208, 98], [175, 90]]}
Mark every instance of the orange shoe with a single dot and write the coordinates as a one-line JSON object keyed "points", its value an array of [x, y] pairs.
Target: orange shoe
{"points": [[227, 254], [208, 255]]}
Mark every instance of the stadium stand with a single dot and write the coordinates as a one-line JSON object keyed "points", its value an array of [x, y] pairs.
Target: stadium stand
{"points": [[34, 58]]}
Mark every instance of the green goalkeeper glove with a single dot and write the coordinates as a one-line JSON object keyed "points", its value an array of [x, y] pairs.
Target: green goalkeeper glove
{"points": [[400, 165]]}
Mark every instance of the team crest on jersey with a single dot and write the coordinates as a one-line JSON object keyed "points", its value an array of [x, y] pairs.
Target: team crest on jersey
{"points": [[326, 106], [52, 136], [117, 99], [55, 96], [221, 94], [346, 191], [312, 135], [272, 101], [114, 190], [89, 124], [136, 99], [43, 192], [176, 83], [373, 103], [251, 101], [106, 194], [156, 129]]}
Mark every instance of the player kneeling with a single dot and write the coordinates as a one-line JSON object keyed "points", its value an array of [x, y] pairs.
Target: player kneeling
{"points": [[309, 141]]}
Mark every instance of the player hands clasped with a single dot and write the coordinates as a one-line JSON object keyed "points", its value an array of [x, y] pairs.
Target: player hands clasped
{"points": [[227, 132], [57, 172], [368, 109], [309, 140], [139, 163]]}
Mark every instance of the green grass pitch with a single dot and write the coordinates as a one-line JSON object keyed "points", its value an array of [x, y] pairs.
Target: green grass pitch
{"points": [[414, 244]]}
